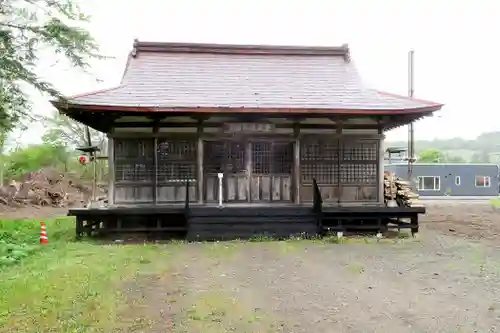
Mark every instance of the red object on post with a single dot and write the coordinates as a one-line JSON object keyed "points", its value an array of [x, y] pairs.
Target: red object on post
{"points": [[83, 159]]}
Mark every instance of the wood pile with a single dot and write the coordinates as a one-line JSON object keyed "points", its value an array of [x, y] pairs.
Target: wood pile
{"points": [[398, 189], [45, 187]]}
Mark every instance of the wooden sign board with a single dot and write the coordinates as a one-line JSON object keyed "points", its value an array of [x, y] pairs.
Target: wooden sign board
{"points": [[248, 128]]}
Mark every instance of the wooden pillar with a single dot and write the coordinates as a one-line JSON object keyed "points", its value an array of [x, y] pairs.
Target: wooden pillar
{"points": [[380, 167], [248, 166], [296, 164], [340, 158], [155, 162], [155, 166], [199, 163], [111, 171]]}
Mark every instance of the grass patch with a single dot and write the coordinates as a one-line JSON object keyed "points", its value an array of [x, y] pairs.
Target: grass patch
{"points": [[216, 311], [221, 249], [65, 286], [495, 202], [355, 267], [20, 238], [388, 238]]}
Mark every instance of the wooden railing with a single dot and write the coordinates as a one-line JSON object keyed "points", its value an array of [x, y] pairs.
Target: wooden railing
{"points": [[318, 206], [186, 204], [317, 199]]}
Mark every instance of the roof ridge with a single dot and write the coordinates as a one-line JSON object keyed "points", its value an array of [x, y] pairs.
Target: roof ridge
{"points": [[405, 97], [95, 92], [245, 49]]}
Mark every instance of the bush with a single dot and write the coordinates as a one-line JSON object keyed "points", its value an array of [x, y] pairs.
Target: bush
{"points": [[20, 238]]}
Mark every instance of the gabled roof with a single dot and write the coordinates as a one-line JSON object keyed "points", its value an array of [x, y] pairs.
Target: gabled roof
{"points": [[177, 76]]}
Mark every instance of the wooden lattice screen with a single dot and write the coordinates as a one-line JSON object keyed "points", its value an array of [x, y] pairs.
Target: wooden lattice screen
{"points": [[134, 160], [224, 156], [134, 170], [176, 161], [320, 161], [272, 158], [344, 169], [359, 163]]}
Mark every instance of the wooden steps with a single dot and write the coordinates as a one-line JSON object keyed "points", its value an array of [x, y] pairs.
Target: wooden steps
{"points": [[209, 223]]}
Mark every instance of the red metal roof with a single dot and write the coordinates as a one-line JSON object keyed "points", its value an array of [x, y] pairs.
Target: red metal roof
{"points": [[247, 78]]}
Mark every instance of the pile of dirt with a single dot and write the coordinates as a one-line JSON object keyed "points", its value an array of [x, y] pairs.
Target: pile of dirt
{"points": [[45, 187], [396, 188]]}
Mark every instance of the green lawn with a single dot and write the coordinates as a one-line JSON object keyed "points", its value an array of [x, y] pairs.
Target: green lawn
{"points": [[67, 286], [64, 286]]}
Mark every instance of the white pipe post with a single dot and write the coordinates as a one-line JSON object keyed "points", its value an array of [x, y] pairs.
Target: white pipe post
{"points": [[221, 176]]}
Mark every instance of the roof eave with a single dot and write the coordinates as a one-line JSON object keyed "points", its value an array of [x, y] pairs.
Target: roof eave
{"points": [[66, 105]]}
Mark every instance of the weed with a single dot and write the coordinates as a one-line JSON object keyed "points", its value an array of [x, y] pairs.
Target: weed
{"points": [[63, 286], [495, 203], [355, 267]]}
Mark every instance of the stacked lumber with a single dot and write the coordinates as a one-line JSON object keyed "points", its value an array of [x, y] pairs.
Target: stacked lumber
{"points": [[398, 189]]}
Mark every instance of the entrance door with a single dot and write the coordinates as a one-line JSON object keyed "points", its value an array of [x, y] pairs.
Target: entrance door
{"points": [[271, 178], [229, 158]]}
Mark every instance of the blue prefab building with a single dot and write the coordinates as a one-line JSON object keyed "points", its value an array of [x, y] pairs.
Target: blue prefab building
{"points": [[453, 179]]}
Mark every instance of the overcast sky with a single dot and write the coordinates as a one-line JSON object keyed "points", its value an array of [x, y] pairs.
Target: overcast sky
{"points": [[456, 43]]}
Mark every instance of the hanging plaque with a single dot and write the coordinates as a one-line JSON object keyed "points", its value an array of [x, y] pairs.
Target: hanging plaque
{"points": [[248, 127]]}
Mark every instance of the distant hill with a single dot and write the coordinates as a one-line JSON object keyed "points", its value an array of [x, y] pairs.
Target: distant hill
{"points": [[482, 149]]}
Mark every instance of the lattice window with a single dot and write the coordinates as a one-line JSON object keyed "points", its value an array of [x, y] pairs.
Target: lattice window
{"points": [[282, 158], [224, 157], [262, 158], [272, 158], [134, 160], [359, 165], [358, 174], [319, 160], [213, 157], [177, 161], [360, 151]]}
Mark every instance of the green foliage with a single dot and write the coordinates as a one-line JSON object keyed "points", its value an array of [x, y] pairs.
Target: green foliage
{"points": [[29, 28], [431, 155], [479, 150], [67, 286], [63, 131], [34, 157], [455, 159], [480, 157], [19, 239], [61, 138]]}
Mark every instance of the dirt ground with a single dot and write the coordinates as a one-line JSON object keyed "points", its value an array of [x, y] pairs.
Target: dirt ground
{"points": [[445, 281], [7, 212]]}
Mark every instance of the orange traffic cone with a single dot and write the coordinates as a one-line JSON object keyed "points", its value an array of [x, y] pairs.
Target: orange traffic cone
{"points": [[43, 234]]}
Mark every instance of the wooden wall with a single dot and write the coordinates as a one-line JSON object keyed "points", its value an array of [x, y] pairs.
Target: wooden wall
{"points": [[154, 170], [345, 168], [265, 167], [254, 170]]}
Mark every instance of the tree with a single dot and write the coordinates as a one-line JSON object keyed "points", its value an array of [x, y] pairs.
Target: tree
{"points": [[4, 135], [66, 132], [3, 139], [455, 159], [431, 155], [62, 131], [480, 157], [34, 157], [27, 28]]}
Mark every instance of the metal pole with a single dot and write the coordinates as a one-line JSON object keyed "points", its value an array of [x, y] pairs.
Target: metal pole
{"points": [[411, 130], [94, 176]]}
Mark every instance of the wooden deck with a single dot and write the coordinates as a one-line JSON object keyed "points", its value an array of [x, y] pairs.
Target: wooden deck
{"points": [[201, 222]]}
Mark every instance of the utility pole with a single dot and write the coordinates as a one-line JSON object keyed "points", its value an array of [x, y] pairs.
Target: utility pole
{"points": [[411, 130]]}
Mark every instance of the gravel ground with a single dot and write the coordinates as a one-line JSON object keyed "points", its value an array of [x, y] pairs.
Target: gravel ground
{"points": [[445, 281]]}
